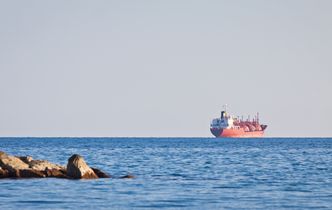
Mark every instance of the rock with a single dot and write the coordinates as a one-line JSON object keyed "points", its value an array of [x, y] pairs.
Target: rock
{"points": [[41, 165], [100, 173], [56, 173], [26, 159], [128, 176], [30, 173], [11, 163], [78, 169], [3, 173]]}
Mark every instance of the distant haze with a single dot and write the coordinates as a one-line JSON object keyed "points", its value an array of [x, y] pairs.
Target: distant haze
{"points": [[164, 68]]}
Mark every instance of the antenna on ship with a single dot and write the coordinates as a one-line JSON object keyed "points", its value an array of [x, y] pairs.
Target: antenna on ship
{"points": [[224, 107]]}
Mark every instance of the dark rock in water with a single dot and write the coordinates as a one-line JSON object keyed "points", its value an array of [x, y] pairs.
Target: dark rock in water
{"points": [[128, 176], [78, 169], [100, 173], [56, 173], [30, 173], [11, 162]]}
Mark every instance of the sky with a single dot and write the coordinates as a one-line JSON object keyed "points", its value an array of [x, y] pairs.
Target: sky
{"points": [[164, 68]]}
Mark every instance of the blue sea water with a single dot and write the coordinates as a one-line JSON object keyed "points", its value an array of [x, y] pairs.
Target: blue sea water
{"points": [[173, 173]]}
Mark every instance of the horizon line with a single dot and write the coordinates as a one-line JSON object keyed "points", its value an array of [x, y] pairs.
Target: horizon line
{"points": [[166, 137]]}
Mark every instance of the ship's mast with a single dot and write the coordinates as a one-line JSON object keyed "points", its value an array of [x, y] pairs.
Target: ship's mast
{"points": [[258, 117]]}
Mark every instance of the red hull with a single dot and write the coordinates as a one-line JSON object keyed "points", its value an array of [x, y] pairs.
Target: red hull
{"points": [[236, 133]]}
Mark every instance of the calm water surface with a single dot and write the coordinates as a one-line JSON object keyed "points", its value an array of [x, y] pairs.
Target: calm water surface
{"points": [[191, 173]]}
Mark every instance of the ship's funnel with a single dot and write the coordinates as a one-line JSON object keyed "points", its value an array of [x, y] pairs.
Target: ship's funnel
{"points": [[223, 114]]}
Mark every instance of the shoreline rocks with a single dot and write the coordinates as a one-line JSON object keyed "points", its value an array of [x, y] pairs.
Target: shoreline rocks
{"points": [[27, 167]]}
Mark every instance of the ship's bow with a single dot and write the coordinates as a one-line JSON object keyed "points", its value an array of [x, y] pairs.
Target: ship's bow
{"points": [[216, 131]]}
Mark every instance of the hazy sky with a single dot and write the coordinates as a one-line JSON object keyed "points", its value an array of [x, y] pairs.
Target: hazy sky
{"points": [[164, 68]]}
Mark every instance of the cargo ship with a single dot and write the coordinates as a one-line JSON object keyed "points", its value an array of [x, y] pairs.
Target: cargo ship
{"points": [[229, 127]]}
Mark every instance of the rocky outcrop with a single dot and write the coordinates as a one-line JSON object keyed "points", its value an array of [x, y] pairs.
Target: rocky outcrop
{"points": [[27, 167], [11, 163], [78, 169]]}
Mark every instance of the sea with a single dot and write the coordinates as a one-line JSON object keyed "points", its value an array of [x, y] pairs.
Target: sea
{"points": [[177, 173]]}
